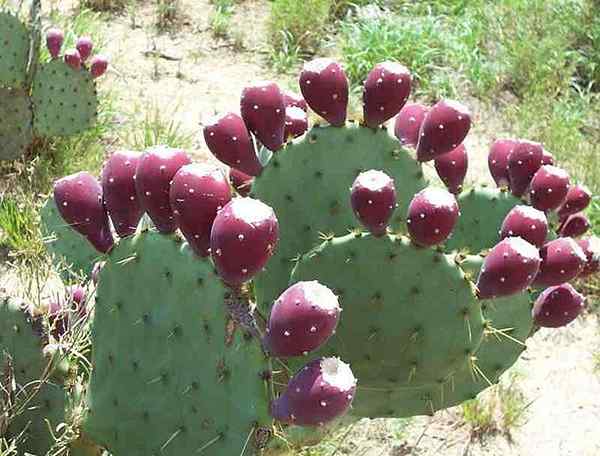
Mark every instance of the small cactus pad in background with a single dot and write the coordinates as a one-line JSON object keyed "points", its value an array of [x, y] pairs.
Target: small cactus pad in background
{"points": [[14, 49], [452, 168], [408, 123], [557, 306], [54, 41], [290, 99], [373, 199], [197, 193], [155, 170], [509, 268], [562, 261], [578, 198], [591, 248], [16, 131], [78, 198], [319, 392], [574, 226], [432, 215], [263, 111], [242, 182], [385, 92], [229, 141], [548, 188], [98, 65], [523, 162], [498, 160], [243, 238], [302, 319], [118, 190], [525, 222], [296, 122], [445, 126], [324, 86], [84, 46], [73, 59]]}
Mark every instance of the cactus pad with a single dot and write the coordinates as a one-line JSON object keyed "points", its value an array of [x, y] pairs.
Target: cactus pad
{"points": [[64, 100], [15, 125], [173, 375], [14, 51], [308, 183]]}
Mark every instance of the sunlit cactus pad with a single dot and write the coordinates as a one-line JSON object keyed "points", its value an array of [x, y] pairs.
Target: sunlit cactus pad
{"points": [[14, 51], [15, 125]]}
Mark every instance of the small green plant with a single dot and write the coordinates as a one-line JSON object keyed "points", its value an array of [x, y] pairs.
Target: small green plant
{"points": [[156, 128], [166, 13], [221, 18], [479, 416], [287, 56], [17, 222], [105, 5]]}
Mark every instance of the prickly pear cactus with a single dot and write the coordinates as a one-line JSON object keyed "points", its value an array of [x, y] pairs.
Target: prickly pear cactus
{"points": [[14, 51], [16, 131]]}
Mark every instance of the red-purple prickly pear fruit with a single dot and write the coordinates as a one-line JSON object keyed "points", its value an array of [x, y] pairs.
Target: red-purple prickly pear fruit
{"points": [[98, 65], [96, 271], [73, 59], [578, 198], [302, 319], [562, 260], [78, 198], [523, 162], [229, 140], [498, 160], [319, 392], [525, 222], [445, 126], [118, 187], [385, 92], [574, 226], [59, 309], [548, 188], [296, 122], [432, 214], [155, 170], [408, 123], [197, 193], [84, 45], [243, 238], [452, 168], [263, 111], [242, 182], [557, 306], [54, 41], [509, 268], [324, 86], [547, 158], [291, 100], [373, 199], [591, 248]]}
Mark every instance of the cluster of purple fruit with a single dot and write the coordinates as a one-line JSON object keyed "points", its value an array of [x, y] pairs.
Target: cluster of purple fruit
{"points": [[77, 57]]}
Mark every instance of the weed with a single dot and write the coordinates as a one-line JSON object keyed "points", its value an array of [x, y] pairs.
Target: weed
{"points": [[156, 128], [104, 5], [166, 13], [287, 56]]}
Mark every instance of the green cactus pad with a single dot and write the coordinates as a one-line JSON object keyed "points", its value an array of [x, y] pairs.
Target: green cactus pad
{"points": [[308, 185], [409, 316], [482, 212], [71, 253], [64, 100], [15, 124], [14, 51], [173, 375]]}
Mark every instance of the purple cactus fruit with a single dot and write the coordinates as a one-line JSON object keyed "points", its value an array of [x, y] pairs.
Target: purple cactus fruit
{"points": [[547, 158], [155, 170], [98, 65], [84, 45], [296, 122], [445, 126], [302, 319], [96, 271], [242, 182], [290, 99], [373, 199], [54, 41], [498, 160], [408, 123], [229, 140], [578, 198], [591, 248], [548, 188], [263, 111], [432, 214], [324, 86], [197, 192], [525, 222], [557, 306], [452, 168], [73, 59], [60, 309], [509, 268], [574, 226], [78, 198], [523, 162], [385, 92], [243, 238], [562, 261], [118, 187], [319, 392]]}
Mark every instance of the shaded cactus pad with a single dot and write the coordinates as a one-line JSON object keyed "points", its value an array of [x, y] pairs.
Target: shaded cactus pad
{"points": [[14, 51], [15, 124]]}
